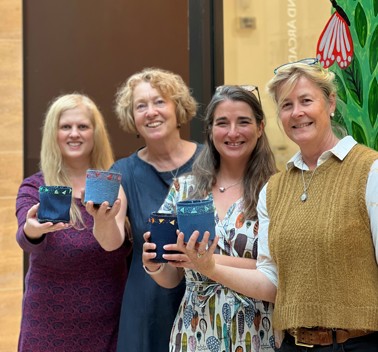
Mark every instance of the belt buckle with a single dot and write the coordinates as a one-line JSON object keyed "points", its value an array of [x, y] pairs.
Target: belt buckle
{"points": [[301, 343]]}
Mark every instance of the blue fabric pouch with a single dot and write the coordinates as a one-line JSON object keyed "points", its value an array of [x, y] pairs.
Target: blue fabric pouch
{"points": [[163, 231], [101, 186], [196, 214], [55, 204]]}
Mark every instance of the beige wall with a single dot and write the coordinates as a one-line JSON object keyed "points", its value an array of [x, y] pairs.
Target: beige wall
{"points": [[285, 31], [10, 170], [250, 56]]}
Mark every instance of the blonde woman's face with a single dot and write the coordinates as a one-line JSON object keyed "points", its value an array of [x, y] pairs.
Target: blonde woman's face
{"points": [[155, 115], [305, 115], [76, 135]]}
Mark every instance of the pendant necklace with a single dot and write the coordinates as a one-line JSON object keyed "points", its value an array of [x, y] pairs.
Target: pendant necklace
{"points": [[304, 195], [224, 189], [174, 178], [174, 175]]}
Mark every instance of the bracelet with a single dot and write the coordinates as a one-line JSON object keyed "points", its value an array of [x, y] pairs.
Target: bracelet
{"points": [[158, 271]]}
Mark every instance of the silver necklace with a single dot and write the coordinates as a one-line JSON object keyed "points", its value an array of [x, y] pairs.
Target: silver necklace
{"points": [[175, 180], [304, 195], [174, 175], [224, 189]]}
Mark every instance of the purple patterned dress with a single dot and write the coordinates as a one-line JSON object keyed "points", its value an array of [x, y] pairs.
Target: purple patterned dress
{"points": [[73, 288]]}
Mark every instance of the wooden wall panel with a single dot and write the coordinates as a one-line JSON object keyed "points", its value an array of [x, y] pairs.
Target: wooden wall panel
{"points": [[11, 161], [66, 50], [10, 320], [10, 172]]}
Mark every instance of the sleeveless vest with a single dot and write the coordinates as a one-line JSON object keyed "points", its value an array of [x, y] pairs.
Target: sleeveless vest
{"points": [[323, 248]]}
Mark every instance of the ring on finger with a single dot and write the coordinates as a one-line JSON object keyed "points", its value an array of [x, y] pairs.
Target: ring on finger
{"points": [[199, 255]]}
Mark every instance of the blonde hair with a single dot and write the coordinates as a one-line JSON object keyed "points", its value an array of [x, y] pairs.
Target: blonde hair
{"points": [[169, 85], [51, 161], [286, 77]]}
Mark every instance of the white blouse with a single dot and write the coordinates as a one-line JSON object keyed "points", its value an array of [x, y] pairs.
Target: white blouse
{"points": [[265, 262]]}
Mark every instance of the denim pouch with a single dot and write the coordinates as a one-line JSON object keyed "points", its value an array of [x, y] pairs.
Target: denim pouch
{"points": [[196, 214], [163, 231], [55, 204], [101, 186]]}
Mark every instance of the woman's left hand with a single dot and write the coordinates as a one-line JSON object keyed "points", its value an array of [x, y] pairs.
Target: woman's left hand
{"points": [[199, 254]]}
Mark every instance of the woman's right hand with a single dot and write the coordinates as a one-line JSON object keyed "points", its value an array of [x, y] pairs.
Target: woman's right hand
{"points": [[103, 213], [109, 222], [149, 253], [35, 230], [165, 275]]}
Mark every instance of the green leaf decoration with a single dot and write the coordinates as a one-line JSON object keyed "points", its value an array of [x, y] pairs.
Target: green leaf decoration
{"points": [[338, 125], [373, 102], [341, 92], [373, 52], [353, 80], [358, 133], [361, 24], [358, 84], [338, 118]]}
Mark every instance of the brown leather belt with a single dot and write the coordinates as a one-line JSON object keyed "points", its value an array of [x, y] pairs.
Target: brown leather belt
{"points": [[308, 337]]}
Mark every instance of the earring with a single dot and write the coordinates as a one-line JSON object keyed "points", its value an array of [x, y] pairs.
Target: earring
{"points": [[137, 135], [179, 125], [332, 114]]}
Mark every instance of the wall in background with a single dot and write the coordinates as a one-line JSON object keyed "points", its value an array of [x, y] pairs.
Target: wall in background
{"points": [[11, 156], [261, 35], [66, 50], [281, 31]]}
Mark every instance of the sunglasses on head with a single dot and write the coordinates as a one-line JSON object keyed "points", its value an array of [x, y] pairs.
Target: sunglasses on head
{"points": [[247, 87], [307, 61]]}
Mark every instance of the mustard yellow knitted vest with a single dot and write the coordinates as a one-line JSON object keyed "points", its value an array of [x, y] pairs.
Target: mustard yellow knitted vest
{"points": [[323, 248]]}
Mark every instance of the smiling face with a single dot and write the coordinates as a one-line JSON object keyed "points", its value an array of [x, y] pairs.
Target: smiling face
{"points": [[155, 115], [305, 115], [235, 131], [75, 135]]}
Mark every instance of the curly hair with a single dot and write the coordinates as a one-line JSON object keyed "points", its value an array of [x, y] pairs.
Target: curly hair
{"points": [[169, 84]]}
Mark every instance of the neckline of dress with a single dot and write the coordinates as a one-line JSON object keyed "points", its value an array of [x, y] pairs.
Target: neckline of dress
{"points": [[228, 210], [168, 171]]}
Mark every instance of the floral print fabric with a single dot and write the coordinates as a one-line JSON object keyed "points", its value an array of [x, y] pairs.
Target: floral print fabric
{"points": [[212, 317]]}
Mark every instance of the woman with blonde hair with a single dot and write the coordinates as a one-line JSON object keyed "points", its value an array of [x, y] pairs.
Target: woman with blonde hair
{"points": [[154, 104], [318, 232], [73, 288]]}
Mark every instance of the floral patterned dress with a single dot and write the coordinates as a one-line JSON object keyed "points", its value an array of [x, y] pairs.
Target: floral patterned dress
{"points": [[212, 317]]}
